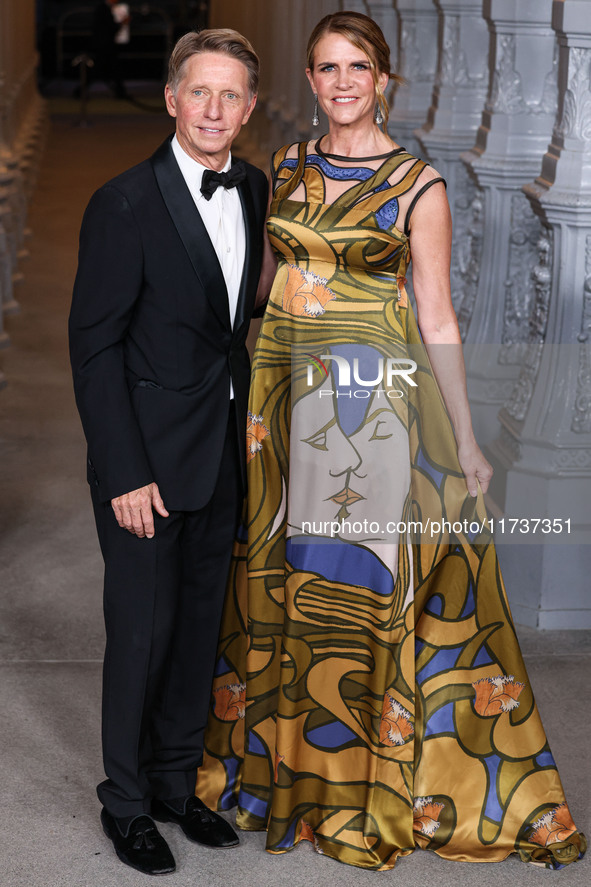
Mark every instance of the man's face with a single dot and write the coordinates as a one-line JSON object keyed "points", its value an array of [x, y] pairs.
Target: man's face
{"points": [[211, 105]]}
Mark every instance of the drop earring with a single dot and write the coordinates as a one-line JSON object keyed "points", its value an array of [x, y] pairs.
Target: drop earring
{"points": [[315, 118], [378, 115]]}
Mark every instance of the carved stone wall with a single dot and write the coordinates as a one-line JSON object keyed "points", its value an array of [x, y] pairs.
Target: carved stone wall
{"points": [[453, 119], [22, 130], [545, 446], [516, 126], [417, 63]]}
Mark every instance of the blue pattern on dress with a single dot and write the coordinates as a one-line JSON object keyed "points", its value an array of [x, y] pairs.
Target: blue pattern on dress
{"points": [[483, 657], [222, 666], [351, 409], [545, 759], [253, 804], [470, 605], [387, 214], [332, 735], [441, 721], [494, 808], [436, 476], [289, 840], [349, 564], [434, 605], [254, 744], [342, 173], [444, 660], [227, 800]]}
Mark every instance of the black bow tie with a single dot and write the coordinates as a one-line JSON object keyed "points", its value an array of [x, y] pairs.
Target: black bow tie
{"points": [[212, 180]]}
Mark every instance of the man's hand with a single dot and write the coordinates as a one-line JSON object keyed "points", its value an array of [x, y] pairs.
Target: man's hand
{"points": [[134, 510]]}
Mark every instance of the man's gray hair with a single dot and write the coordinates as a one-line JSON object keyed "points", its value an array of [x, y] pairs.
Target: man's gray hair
{"points": [[224, 40]]}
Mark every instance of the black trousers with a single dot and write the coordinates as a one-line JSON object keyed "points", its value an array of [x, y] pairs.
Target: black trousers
{"points": [[163, 600]]}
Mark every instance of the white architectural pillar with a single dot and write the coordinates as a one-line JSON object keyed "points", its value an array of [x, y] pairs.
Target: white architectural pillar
{"points": [[310, 16], [417, 63], [383, 12], [453, 120], [516, 125], [355, 6], [545, 443]]}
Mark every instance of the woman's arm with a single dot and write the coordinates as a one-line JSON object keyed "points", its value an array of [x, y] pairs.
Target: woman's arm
{"points": [[430, 243]]}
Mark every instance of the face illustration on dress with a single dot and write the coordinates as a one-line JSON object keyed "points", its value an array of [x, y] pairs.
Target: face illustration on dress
{"points": [[343, 81], [352, 457]]}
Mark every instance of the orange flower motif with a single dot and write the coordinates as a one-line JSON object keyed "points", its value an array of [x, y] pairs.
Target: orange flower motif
{"points": [[402, 294], [305, 293], [426, 816], [496, 695], [306, 832], [396, 725], [553, 827], [278, 759], [256, 432], [230, 702]]}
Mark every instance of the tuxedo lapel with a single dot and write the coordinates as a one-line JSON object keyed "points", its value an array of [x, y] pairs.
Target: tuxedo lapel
{"points": [[191, 230], [247, 292]]}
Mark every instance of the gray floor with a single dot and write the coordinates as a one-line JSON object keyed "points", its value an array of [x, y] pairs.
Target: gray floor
{"points": [[51, 634]]}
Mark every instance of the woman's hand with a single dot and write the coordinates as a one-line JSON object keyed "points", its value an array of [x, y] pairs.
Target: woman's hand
{"points": [[475, 466]]}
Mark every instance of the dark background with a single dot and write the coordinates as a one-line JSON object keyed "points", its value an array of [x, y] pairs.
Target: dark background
{"points": [[64, 31]]}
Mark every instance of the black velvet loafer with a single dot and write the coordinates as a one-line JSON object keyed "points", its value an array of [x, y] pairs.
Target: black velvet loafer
{"points": [[199, 823], [141, 846]]}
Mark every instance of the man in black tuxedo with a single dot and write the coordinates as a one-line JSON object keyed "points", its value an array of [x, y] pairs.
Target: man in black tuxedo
{"points": [[170, 256]]}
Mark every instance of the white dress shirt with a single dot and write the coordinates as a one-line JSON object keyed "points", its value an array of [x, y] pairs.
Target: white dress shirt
{"points": [[223, 220], [222, 217]]}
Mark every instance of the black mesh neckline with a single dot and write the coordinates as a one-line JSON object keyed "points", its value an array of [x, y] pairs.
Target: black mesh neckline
{"points": [[355, 159]]}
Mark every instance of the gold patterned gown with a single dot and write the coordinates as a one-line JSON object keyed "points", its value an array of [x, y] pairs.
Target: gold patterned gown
{"points": [[370, 695]]}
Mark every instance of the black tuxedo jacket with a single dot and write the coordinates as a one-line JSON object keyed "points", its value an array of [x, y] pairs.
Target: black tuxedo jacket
{"points": [[151, 343]]}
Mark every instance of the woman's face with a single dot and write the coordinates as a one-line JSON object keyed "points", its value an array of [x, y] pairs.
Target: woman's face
{"points": [[362, 479], [343, 81]]}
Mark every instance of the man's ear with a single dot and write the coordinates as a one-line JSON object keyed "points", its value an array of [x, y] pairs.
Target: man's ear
{"points": [[249, 109], [170, 100]]}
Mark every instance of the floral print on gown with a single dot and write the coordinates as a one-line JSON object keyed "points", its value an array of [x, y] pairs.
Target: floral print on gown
{"points": [[370, 695]]}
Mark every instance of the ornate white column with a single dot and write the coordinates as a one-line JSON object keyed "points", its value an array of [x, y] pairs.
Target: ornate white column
{"points": [[292, 105], [516, 125], [545, 441], [294, 78], [417, 63], [308, 11], [354, 6], [454, 116], [383, 12]]}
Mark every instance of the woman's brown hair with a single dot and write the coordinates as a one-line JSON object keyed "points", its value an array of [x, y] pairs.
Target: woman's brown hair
{"points": [[366, 35]]}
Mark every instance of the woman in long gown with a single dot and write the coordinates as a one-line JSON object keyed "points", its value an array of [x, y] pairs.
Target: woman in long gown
{"points": [[370, 694]]}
